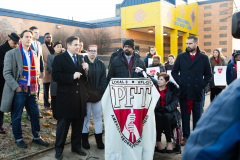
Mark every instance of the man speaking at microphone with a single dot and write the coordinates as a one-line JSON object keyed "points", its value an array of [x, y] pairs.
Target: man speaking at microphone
{"points": [[70, 74]]}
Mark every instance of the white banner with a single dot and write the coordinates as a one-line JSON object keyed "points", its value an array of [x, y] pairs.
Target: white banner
{"points": [[150, 61], [220, 75], [129, 119], [153, 71], [238, 69]]}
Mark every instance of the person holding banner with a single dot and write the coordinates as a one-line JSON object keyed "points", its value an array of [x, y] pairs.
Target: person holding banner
{"points": [[232, 69], [96, 85], [126, 62], [165, 111], [192, 72], [157, 63], [150, 54], [216, 60]]}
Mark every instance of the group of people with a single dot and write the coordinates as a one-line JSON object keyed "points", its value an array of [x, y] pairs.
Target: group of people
{"points": [[77, 84]]}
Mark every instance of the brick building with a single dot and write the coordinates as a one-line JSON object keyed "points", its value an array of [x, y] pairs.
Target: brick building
{"points": [[161, 23]]}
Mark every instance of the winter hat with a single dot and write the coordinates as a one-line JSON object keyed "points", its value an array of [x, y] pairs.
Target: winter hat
{"points": [[129, 42], [14, 37]]}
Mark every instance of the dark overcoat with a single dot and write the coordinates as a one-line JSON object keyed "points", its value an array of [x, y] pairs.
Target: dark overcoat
{"points": [[72, 95], [3, 50], [119, 67], [192, 75]]}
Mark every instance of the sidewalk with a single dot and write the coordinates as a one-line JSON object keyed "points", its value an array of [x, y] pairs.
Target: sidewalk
{"points": [[95, 153]]}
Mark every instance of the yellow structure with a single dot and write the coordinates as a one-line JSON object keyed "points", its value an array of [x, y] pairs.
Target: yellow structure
{"points": [[159, 14]]}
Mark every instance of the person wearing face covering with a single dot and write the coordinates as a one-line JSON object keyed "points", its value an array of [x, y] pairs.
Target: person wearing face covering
{"points": [[124, 64]]}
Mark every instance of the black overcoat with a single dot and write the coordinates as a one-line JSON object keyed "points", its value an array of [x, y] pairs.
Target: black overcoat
{"points": [[3, 50], [72, 95], [192, 76], [119, 67]]}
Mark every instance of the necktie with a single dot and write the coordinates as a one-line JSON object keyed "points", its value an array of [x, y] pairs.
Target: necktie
{"points": [[75, 60]]}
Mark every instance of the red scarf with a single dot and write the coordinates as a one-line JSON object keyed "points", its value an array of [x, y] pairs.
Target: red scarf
{"points": [[235, 71], [163, 94], [192, 57], [217, 61], [130, 64]]}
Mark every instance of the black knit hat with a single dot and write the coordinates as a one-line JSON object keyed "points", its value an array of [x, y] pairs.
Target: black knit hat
{"points": [[14, 37], [129, 42]]}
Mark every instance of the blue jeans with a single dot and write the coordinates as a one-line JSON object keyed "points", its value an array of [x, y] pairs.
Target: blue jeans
{"points": [[196, 111], [20, 100]]}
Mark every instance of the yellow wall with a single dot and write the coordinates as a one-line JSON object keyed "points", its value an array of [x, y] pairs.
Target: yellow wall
{"points": [[161, 14]]}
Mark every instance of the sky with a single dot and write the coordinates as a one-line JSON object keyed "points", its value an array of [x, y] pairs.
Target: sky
{"points": [[80, 10]]}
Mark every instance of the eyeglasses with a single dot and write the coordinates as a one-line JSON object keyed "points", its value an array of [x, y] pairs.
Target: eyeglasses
{"points": [[92, 51]]}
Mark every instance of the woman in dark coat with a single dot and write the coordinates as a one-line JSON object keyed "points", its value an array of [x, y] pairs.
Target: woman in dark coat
{"points": [[96, 85], [157, 63], [150, 54], [58, 49], [216, 60], [166, 111]]}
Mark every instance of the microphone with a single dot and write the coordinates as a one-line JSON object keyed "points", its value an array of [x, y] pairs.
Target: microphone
{"points": [[82, 59]]}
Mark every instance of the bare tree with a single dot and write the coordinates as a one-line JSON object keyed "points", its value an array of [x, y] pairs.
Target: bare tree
{"points": [[98, 36], [5, 29], [60, 35]]}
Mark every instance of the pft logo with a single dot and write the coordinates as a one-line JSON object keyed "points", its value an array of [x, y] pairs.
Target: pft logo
{"points": [[130, 102]]}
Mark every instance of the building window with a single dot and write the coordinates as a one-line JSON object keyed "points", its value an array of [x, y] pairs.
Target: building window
{"points": [[207, 14], [223, 12], [207, 43], [207, 22], [222, 35], [224, 50], [207, 29], [222, 42], [223, 20], [208, 50], [223, 5], [222, 27], [208, 36], [208, 7]]}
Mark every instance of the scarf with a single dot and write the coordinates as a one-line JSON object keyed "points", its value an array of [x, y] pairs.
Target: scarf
{"points": [[23, 82], [163, 94], [235, 70]]}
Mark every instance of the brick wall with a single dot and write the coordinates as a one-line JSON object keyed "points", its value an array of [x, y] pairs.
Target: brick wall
{"points": [[215, 23]]}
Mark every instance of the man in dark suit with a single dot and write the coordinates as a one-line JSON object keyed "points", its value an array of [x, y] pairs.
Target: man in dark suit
{"points": [[192, 72], [70, 74]]}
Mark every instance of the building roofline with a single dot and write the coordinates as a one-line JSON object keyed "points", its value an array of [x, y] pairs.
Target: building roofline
{"points": [[211, 1], [37, 17]]}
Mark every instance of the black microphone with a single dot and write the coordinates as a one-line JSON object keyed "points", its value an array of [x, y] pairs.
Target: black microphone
{"points": [[86, 73]]}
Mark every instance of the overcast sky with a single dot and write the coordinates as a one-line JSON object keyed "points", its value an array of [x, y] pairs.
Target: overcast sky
{"points": [[80, 10]]}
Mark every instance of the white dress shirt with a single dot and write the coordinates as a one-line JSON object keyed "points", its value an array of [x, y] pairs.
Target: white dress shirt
{"points": [[27, 54], [71, 55]]}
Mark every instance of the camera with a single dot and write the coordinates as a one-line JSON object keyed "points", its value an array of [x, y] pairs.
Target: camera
{"points": [[236, 25]]}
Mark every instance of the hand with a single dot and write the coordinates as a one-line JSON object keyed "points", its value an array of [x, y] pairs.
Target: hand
{"points": [[130, 120], [138, 69], [18, 89], [42, 75], [85, 66], [63, 49], [77, 75]]}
